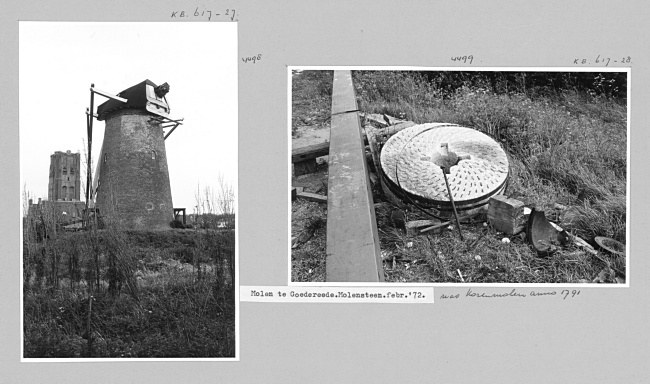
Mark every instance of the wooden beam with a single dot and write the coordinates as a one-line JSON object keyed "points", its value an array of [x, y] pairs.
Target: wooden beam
{"points": [[578, 240], [310, 152], [380, 135], [374, 149], [311, 197], [353, 253], [391, 130], [106, 94], [413, 228], [322, 149], [304, 167], [506, 215], [295, 191], [167, 120], [170, 131]]}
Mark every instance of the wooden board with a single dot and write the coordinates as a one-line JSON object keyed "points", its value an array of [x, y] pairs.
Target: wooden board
{"points": [[322, 149], [353, 253], [304, 167], [310, 152], [413, 227], [312, 197]]}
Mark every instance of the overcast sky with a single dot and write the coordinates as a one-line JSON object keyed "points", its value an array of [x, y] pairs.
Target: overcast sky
{"points": [[59, 61]]}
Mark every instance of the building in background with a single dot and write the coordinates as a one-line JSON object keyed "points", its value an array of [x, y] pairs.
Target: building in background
{"points": [[63, 206], [65, 180]]}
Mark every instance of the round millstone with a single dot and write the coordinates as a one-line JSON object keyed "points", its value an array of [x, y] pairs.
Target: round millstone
{"points": [[407, 157]]}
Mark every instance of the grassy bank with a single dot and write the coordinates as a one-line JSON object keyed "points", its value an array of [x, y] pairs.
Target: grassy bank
{"points": [[311, 99], [130, 294], [566, 139]]}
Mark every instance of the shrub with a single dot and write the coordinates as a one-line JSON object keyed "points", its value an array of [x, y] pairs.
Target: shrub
{"points": [[177, 224]]}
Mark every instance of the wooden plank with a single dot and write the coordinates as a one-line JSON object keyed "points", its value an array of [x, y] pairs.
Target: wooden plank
{"points": [[322, 149], [437, 228], [389, 131], [353, 253], [311, 197], [295, 191], [577, 240], [379, 118], [170, 131], [106, 94], [374, 149], [506, 215], [310, 152], [441, 224], [413, 227], [304, 167]]}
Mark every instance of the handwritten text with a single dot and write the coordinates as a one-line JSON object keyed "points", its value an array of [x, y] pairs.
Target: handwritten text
{"points": [[253, 59], [464, 59], [206, 14], [603, 60], [477, 294]]}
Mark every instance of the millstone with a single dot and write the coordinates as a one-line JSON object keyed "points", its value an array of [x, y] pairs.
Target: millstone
{"points": [[405, 161]]}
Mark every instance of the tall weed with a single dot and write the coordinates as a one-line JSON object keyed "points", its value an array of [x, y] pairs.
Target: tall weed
{"points": [[565, 143]]}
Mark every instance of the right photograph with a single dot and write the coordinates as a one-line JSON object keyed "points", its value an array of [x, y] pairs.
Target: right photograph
{"points": [[459, 176]]}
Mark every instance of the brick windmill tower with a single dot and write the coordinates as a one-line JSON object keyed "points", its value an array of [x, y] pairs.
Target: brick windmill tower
{"points": [[131, 184]]}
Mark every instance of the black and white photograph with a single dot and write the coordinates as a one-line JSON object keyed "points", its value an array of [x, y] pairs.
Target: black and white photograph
{"points": [[324, 192], [128, 163], [459, 175]]}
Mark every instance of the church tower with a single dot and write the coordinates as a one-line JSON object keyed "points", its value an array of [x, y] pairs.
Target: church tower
{"points": [[65, 180]]}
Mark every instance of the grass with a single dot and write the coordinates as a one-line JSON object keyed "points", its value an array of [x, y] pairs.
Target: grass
{"points": [[309, 258], [312, 99], [566, 145], [161, 294]]}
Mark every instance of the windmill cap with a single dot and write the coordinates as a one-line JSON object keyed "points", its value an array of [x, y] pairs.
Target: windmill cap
{"points": [[145, 96]]}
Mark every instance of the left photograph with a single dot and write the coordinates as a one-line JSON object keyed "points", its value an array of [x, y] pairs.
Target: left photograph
{"points": [[128, 163]]}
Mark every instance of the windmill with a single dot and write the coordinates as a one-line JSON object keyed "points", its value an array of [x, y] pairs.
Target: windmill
{"points": [[131, 180]]}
